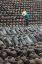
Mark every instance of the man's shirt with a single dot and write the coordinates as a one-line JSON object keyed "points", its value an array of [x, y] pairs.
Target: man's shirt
{"points": [[27, 16]]}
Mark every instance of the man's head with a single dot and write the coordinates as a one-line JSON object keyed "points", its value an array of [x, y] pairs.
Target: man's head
{"points": [[23, 13]]}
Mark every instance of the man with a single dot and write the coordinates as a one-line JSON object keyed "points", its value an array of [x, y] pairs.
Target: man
{"points": [[27, 17]]}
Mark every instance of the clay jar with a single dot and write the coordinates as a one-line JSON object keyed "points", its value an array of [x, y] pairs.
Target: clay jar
{"points": [[11, 53], [33, 55], [20, 62], [26, 61], [32, 61], [11, 60], [1, 43], [38, 61], [3, 54], [6, 62], [38, 50], [23, 58], [1, 60]]}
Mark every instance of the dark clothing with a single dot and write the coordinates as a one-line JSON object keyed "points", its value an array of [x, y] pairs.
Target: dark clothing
{"points": [[27, 17], [27, 22]]}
